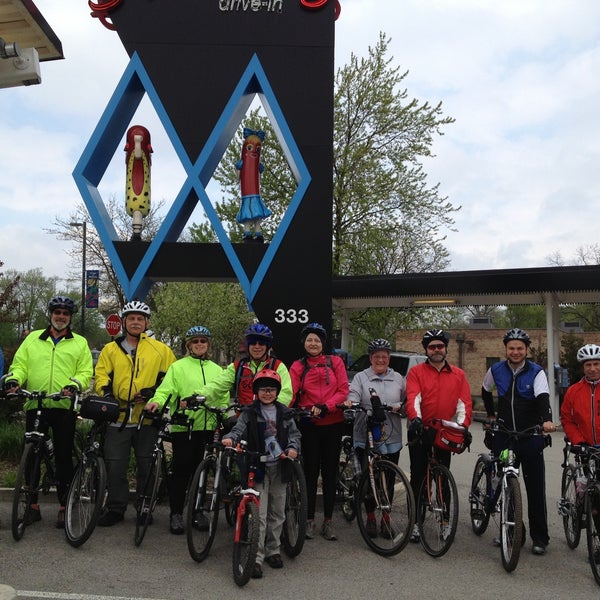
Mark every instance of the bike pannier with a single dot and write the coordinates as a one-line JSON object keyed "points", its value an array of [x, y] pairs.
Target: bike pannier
{"points": [[449, 436], [100, 408]]}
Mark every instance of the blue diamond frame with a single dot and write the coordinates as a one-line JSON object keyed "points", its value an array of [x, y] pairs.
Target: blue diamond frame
{"points": [[110, 131]]}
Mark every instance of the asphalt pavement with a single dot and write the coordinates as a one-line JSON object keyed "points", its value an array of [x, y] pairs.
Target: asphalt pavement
{"points": [[109, 567]]}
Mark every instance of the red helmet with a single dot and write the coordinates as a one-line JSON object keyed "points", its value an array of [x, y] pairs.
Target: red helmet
{"points": [[266, 378]]}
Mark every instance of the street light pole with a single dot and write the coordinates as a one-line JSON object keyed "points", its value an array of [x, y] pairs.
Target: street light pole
{"points": [[84, 244]]}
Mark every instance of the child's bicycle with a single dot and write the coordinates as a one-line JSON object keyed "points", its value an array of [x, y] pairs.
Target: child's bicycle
{"points": [[383, 494], [437, 504], [495, 490], [37, 472], [579, 505]]}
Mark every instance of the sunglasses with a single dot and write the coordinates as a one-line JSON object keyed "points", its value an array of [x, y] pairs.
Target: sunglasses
{"points": [[436, 346], [199, 341], [58, 311], [253, 341]]}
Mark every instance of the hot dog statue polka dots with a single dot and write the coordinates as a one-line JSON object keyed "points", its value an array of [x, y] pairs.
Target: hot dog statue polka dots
{"points": [[137, 187]]}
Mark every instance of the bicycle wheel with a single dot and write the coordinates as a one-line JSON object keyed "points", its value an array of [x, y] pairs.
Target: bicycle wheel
{"points": [[481, 489], [437, 510], [27, 477], [592, 509], [203, 509], [85, 499], [511, 524], [296, 510], [147, 500], [346, 488], [388, 505], [570, 507], [245, 550], [230, 480]]}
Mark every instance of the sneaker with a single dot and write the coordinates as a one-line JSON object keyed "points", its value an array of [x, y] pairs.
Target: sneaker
{"points": [[446, 530], [60, 519], [33, 515], [415, 536], [176, 526], [110, 518], [327, 531], [371, 527], [274, 561], [496, 541], [257, 572], [310, 529], [200, 522], [538, 548]]}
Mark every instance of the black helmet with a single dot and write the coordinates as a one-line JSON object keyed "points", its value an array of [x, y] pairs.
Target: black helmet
{"points": [[518, 335], [315, 328], [379, 344], [435, 334], [62, 302]]}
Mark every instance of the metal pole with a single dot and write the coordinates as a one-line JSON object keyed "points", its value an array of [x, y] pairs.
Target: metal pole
{"points": [[83, 278]]}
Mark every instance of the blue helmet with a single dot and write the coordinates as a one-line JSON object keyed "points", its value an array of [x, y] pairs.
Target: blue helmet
{"points": [[315, 328], [62, 302], [259, 332], [196, 331]]}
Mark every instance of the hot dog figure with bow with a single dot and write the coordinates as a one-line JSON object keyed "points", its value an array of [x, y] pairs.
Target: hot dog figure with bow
{"points": [[137, 188], [252, 208]]}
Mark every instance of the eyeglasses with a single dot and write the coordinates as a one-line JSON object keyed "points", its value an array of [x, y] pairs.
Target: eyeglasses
{"points": [[58, 311], [199, 341], [436, 346], [268, 390]]}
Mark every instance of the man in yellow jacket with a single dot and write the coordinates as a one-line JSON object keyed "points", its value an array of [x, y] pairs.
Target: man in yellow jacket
{"points": [[129, 368]]}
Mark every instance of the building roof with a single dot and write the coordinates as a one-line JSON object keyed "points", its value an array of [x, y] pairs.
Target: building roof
{"points": [[22, 22], [580, 284]]}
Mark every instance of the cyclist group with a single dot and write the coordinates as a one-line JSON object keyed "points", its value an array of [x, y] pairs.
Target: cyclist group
{"points": [[143, 373]]}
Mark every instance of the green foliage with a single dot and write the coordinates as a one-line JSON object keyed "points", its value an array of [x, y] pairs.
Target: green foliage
{"points": [[11, 440]]}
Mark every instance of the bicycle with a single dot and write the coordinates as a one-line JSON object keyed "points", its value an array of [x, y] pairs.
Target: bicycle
{"points": [[495, 489], [247, 521], [36, 471], [153, 489], [437, 504], [213, 483], [296, 503], [348, 476], [88, 489], [383, 489], [579, 505]]}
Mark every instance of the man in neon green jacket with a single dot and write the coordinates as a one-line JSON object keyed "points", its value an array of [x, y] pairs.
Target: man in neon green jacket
{"points": [[130, 368], [46, 361]]}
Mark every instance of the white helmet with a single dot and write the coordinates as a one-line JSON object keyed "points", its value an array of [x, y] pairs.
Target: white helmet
{"points": [[588, 352], [135, 306]]}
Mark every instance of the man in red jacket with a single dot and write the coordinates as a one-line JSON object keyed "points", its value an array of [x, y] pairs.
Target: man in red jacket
{"points": [[579, 411], [434, 390]]}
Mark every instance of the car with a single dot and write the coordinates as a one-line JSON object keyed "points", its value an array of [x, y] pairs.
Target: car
{"points": [[401, 362]]}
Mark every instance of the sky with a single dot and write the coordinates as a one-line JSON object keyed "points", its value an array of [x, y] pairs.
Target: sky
{"points": [[521, 78]]}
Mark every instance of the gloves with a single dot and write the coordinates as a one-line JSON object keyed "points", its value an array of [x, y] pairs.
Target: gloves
{"points": [[416, 427], [10, 385], [468, 438], [323, 408]]}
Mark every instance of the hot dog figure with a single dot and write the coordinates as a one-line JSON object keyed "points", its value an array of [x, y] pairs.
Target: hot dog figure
{"points": [[137, 188], [252, 208]]}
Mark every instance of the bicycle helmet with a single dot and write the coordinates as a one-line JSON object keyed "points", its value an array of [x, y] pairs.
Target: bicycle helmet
{"points": [[435, 334], [379, 344], [197, 331], [588, 352], [315, 328], [518, 335], [62, 302], [135, 306], [259, 332], [266, 378]]}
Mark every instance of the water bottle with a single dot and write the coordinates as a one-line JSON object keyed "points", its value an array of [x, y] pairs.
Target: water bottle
{"points": [[49, 446], [580, 485]]}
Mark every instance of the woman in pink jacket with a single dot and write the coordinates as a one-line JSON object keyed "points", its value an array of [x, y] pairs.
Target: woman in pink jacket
{"points": [[320, 382]]}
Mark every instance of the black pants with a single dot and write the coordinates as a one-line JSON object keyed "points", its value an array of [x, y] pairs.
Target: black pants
{"points": [[62, 422], [418, 453], [321, 447], [187, 454]]}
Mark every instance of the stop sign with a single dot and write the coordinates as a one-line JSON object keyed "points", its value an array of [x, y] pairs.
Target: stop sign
{"points": [[113, 325]]}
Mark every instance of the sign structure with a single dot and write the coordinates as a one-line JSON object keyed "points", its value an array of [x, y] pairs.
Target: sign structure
{"points": [[113, 325], [202, 64]]}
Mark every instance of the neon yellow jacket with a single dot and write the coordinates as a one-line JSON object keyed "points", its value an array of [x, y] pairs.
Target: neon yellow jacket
{"points": [[118, 372], [182, 378], [40, 364]]}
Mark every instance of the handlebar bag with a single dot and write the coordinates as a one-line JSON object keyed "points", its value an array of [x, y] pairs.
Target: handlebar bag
{"points": [[100, 408]]}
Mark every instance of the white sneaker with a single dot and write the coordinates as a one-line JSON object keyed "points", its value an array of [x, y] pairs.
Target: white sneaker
{"points": [[310, 529], [415, 536]]}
